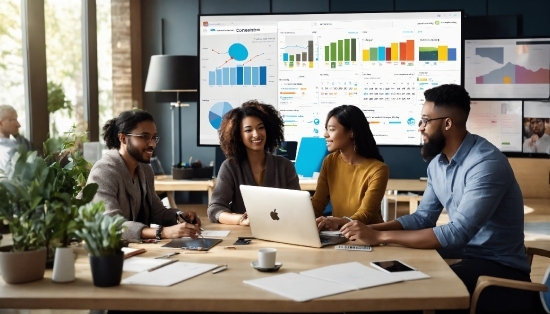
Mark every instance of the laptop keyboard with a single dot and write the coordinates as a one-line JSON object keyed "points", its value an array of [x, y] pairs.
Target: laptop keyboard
{"points": [[325, 239]]}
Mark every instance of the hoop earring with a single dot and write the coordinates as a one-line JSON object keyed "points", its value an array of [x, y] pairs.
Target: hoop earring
{"points": [[354, 147]]}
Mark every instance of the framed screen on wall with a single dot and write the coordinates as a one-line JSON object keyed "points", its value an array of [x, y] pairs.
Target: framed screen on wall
{"points": [[507, 68], [307, 64]]}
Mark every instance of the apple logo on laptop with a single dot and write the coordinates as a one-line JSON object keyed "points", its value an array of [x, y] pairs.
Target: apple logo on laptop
{"points": [[274, 215]]}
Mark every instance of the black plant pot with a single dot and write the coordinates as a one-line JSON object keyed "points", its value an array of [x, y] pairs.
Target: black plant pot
{"points": [[107, 270]]}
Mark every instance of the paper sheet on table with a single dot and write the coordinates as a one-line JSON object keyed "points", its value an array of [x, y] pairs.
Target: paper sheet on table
{"points": [[353, 274], [298, 287], [139, 264], [215, 233], [169, 274]]}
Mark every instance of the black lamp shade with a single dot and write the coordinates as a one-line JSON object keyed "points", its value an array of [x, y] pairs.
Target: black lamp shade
{"points": [[172, 74]]}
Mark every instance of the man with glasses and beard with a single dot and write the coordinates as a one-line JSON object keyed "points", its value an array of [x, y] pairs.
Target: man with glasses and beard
{"points": [[126, 181], [539, 142], [474, 182]]}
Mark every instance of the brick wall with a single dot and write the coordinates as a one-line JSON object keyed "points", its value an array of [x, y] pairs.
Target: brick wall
{"points": [[122, 61]]}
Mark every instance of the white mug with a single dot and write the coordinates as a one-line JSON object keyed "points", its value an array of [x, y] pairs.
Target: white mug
{"points": [[266, 257]]}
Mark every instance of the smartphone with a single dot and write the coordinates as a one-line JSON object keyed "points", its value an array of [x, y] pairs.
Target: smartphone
{"points": [[392, 266]]}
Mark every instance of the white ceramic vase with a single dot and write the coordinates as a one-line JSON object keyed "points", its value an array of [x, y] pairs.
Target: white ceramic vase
{"points": [[63, 265]]}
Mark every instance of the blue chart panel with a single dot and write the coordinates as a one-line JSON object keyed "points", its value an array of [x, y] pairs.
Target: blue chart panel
{"points": [[216, 113], [239, 75]]}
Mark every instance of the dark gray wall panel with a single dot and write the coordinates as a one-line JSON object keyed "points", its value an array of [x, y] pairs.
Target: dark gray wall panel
{"points": [[470, 7], [535, 14], [361, 5], [306, 6], [234, 6]]}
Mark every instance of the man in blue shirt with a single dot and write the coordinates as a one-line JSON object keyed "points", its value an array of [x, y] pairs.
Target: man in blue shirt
{"points": [[474, 181]]}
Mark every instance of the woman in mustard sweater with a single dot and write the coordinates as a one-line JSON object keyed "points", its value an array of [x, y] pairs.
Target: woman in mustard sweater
{"points": [[354, 176]]}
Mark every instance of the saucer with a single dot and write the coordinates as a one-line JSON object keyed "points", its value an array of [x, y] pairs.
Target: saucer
{"points": [[278, 265]]}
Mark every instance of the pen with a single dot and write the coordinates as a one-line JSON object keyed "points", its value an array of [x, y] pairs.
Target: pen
{"points": [[162, 265], [219, 269], [168, 255], [183, 218]]}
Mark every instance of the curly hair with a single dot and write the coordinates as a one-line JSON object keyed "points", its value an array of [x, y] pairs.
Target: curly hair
{"points": [[352, 118], [124, 123], [450, 96], [230, 129]]}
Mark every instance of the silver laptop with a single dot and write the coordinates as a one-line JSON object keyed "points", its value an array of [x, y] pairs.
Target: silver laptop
{"points": [[285, 216]]}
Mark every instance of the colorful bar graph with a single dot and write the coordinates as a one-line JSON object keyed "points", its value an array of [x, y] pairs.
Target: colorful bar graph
{"points": [[304, 56], [439, 53], [239, 75], [398, 51]]}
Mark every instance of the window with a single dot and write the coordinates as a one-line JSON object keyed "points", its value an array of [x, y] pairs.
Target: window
{"points": [[12, 90]]}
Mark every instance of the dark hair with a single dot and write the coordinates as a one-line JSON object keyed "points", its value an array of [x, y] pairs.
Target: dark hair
{"points": [[124, 123], [230, 128], [450, 96], [352, 118]]}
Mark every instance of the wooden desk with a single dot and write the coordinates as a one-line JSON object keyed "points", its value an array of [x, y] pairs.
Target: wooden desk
{"points": [[165, 183], [226, 292]]}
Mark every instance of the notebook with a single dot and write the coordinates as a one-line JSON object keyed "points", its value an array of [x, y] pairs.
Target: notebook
{"points": [[169, 274], [324, 281], [285, 216], [198, 244]]}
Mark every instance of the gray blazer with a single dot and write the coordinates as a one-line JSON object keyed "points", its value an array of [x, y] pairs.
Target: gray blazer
{"points": [[113, 178], [279, 173]]}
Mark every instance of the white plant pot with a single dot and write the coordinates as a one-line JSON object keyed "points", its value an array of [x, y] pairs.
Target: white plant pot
{"points": [[63, 265]]}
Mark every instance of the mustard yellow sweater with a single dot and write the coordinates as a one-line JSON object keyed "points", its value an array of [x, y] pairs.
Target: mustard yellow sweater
{"points": [[355, 191]]}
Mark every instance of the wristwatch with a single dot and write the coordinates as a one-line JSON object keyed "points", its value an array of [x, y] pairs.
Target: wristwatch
{"points": [[159, 232]]}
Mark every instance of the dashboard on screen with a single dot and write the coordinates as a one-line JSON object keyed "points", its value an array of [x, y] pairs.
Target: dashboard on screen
{"points": [[507, 68], [307, 64]]}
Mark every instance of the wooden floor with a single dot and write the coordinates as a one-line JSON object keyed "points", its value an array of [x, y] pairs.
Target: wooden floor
{"points": [[538, 268]]}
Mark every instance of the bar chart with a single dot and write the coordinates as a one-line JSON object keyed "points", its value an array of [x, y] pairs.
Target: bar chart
{"points": [[436, 53], [395, 52], [296, 52], [238, 75], [340, 52]]}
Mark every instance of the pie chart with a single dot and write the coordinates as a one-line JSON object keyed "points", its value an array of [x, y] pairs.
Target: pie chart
{"points": [[216, 113]]}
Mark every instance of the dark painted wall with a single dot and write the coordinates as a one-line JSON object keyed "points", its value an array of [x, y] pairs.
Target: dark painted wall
{"points": [[181, 38]]}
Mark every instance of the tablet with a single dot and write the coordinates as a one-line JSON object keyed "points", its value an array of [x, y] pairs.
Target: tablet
{"points": [[198, 244]]}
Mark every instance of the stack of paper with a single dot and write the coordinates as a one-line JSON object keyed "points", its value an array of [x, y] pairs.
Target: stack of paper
{"points": [[324, 281]]}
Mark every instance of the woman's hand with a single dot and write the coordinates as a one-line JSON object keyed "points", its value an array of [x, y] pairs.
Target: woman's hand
{"points": [[330, 223]]}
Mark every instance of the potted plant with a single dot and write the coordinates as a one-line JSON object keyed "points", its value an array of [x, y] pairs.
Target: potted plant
{"points": [[22, 207], [70, 171], [102, 235]]}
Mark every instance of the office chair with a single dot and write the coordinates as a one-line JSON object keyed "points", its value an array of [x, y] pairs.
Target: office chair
{"points": [[487, 281]]}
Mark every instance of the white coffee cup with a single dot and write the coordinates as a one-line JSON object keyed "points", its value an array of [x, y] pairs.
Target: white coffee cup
{"points": [[266, 257]]}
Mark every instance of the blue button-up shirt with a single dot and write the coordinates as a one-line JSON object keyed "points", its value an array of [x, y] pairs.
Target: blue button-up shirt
{"points": [[484, 203]]}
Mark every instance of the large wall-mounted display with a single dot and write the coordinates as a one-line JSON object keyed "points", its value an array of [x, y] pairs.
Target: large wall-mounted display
{"points": [[306, 64], [507, 68]]}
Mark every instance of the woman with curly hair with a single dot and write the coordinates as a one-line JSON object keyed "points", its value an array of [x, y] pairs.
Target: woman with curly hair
{"points": [[354, 176], [248, 136]]}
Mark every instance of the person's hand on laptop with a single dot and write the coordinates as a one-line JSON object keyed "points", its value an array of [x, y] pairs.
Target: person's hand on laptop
{"points": [[330, 223]]}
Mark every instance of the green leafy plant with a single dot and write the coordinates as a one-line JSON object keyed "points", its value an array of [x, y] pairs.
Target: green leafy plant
{"points": [[70, 171], [23, 194], [56, 98], [101, 233]]}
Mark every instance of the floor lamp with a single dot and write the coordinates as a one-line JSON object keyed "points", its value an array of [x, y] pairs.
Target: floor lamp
{"points": [[173, 74]]}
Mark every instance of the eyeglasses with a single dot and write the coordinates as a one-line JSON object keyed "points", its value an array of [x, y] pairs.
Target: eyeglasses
{"points": [[146, 137], [424, 121]]}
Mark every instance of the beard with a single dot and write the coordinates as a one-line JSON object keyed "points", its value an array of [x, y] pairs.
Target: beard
{"points": [[434, 146], [136, 153]]}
